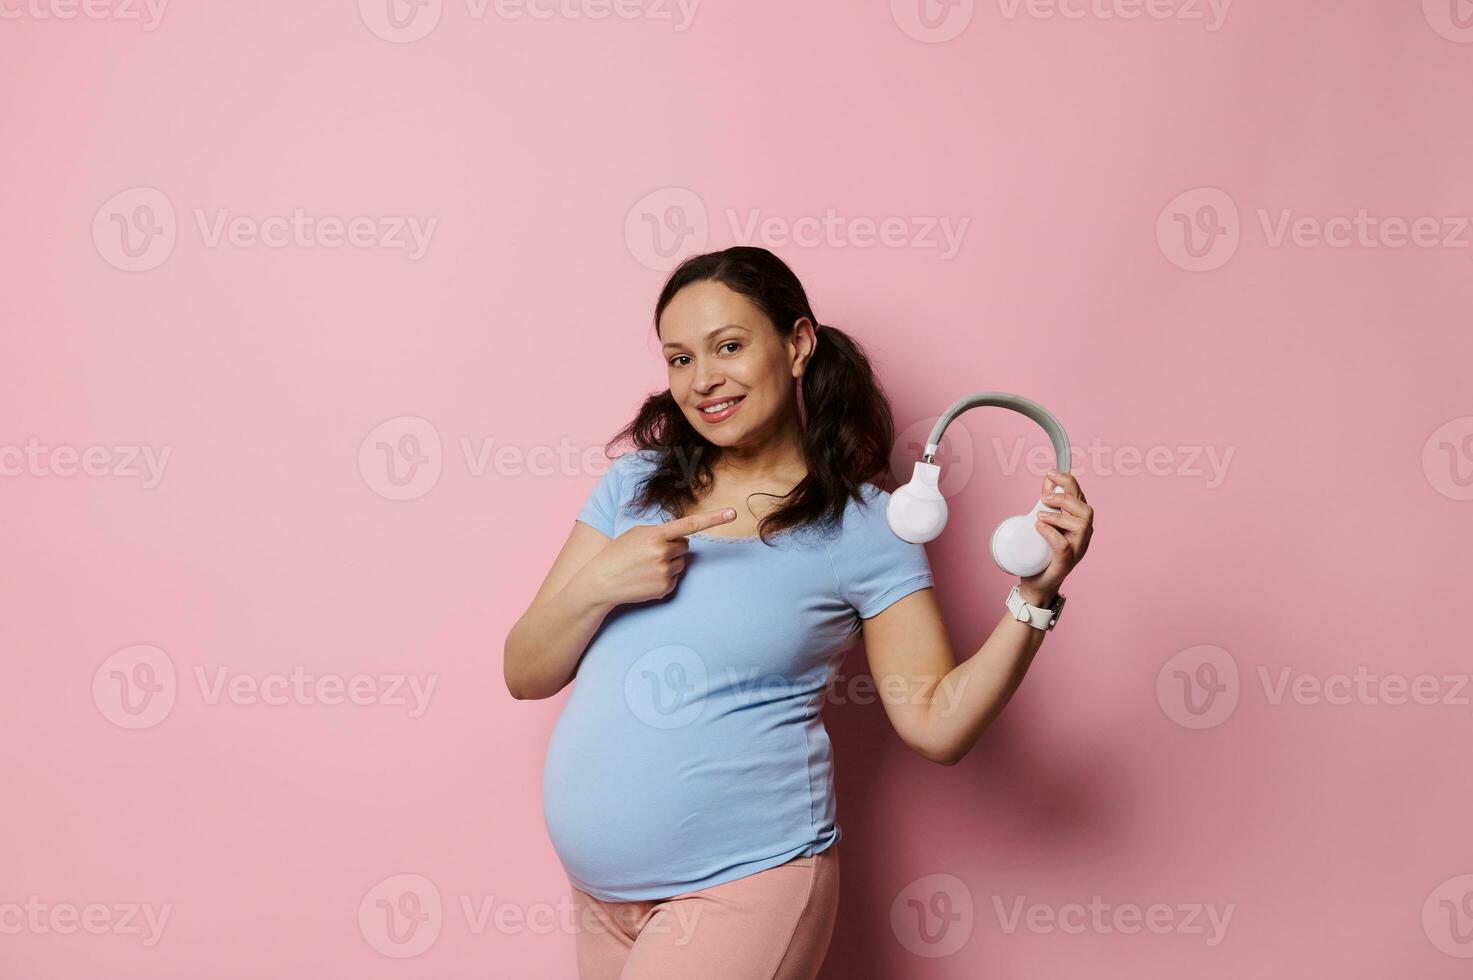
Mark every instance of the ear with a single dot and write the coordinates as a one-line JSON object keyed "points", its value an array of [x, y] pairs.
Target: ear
{"points": [[801, 343]]}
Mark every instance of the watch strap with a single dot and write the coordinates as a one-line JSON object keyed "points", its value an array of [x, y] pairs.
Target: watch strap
{"points": [[1039, 617]]}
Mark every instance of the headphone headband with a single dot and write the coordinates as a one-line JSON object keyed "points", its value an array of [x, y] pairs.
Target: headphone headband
{"points": [[917, 511], [1003, 399]]}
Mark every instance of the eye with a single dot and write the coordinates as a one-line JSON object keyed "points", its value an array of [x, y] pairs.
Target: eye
{"points": [[676, 358], [730, 343]]}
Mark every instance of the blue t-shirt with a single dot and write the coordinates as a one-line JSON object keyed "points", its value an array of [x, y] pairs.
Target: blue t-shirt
{"points": [[690, 751]]}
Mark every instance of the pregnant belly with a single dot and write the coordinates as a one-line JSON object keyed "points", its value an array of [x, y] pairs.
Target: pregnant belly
{"points": [[629, 806]]}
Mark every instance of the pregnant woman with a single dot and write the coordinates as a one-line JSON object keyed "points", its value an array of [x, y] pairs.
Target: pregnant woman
{"points": [[703, 601]]}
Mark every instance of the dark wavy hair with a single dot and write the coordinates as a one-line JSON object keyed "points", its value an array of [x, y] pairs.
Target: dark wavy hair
{"points": [[850, 427]]}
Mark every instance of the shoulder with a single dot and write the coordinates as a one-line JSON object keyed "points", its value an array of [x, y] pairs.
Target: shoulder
{"points": [[873, 565], [634, 466], [644, 459], [864, 523], [627, 473], [634, 463], [860, 515], [606, 508]]}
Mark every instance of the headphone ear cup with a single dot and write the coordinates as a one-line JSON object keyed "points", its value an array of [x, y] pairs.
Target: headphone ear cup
{"points": [[917, 511], [1018, 548], [915, 515]]}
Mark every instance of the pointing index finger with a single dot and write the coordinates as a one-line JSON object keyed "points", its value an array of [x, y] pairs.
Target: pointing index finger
{"points": [[682, 526]]}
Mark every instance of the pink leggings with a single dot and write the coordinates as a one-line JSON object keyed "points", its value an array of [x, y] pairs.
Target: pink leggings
{"points": [[772, 925]]}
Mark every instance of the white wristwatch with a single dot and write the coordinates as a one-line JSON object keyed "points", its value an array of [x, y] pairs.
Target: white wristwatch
{"points": [[1039, 617]]}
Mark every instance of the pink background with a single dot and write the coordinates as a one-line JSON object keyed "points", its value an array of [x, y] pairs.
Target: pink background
{"points": [[545, 150]]}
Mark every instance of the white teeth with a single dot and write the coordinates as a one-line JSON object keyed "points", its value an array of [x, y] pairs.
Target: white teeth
{"points": [[712, 410]]}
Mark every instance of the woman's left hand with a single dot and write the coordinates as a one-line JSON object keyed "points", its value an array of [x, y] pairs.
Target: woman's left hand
{"points": [[1067, 532]]}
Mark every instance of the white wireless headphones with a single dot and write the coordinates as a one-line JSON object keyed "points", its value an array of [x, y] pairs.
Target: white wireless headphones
{"points": [[917, 511]]}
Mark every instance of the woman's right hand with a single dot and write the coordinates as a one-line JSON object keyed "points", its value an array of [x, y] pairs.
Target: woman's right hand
{"points": [[646, 561]]}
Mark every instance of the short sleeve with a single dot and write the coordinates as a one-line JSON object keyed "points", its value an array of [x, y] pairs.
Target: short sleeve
{"points": [[602, 505], [874, 567]]}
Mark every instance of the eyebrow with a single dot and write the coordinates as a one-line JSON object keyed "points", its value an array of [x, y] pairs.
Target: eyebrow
{"points": [[709, 334]]}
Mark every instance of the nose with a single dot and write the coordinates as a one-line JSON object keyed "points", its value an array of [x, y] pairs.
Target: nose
{"points": [[707, 377]]}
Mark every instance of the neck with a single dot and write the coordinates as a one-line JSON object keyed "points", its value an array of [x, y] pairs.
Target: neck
{"points": [[776, 456]]}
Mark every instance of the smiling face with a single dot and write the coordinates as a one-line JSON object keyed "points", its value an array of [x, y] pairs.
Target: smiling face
{"points": [[720, 348]]}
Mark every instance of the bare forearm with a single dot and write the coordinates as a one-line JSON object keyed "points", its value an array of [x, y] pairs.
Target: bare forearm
{"points": [[973, 693], [543, 648]]}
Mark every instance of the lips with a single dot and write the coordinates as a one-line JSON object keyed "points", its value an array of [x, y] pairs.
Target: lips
{"points": [[725, 413]]}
